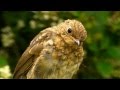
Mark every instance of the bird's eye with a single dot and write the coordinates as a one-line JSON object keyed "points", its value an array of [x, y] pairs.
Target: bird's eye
{"points": [[69, 30]]}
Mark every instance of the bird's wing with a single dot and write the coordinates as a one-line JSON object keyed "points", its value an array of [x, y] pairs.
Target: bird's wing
{"points": [[29, 56]]}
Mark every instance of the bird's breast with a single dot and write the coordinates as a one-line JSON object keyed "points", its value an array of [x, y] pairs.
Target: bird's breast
{"points": [[57, 61]]}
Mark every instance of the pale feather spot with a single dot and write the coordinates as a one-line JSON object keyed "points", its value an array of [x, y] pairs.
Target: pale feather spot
{"points": [[37, 39], [29, 51], [50, 42], [43, 34], [64, 68]]}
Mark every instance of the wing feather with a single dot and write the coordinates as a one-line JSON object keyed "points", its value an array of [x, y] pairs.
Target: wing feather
{"points": [[29, 56]]}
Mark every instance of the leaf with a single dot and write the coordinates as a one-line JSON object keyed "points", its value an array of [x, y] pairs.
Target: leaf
{"points": [[113, 52], [105, 43], [93, 47], [102, 16], [104, 68], [3, 61]]}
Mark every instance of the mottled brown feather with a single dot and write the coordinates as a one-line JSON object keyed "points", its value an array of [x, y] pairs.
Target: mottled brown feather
{"points": [[53, 53], [29, 55]]}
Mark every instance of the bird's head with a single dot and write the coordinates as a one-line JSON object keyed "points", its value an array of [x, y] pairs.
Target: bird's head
{"points": [[72, 31]]}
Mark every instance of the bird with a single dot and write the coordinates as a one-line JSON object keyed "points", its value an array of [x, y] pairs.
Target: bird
{"points": [[54, 53]]}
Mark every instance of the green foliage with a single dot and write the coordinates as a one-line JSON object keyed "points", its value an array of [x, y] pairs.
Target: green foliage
{"points": [[3, 61], [102, 46], [104, 68], [4, 67], [113, 52]]}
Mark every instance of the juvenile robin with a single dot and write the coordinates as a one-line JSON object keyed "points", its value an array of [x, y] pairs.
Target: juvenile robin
{"points": [[55, 53]]}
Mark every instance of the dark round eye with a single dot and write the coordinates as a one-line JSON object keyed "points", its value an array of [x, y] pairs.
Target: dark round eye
{"points": [[69, 30]]}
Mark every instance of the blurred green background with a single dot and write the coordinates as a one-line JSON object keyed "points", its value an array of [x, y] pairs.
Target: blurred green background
{"points": [[102, 46]]}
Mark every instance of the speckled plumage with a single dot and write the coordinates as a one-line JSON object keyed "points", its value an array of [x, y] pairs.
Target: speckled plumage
{"points": [[55, 53]]}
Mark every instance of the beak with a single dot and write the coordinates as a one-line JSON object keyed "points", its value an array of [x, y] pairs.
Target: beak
{"points": [[77, 41]]}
